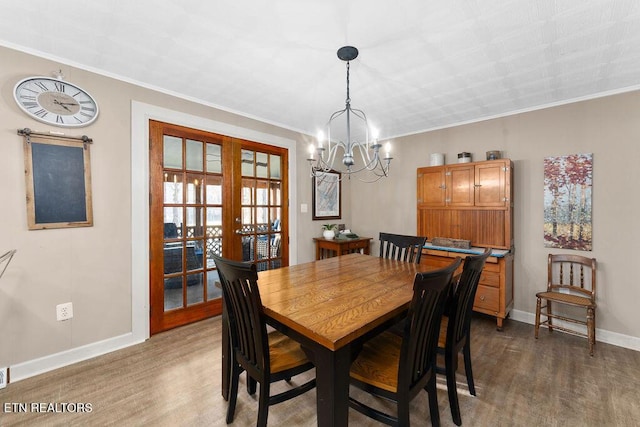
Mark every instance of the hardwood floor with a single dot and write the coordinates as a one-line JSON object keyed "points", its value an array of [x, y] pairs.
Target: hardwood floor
{"points": [[173, 379]]}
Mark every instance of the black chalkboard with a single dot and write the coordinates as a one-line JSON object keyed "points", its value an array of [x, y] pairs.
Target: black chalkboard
{"points": [[58, 184]]}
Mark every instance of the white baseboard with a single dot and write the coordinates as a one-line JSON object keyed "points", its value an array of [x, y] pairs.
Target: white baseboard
{"points": [[614, 338], [44, 364]]}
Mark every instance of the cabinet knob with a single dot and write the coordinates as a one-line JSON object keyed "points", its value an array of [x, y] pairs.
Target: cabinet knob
{"points": [[482, 298], [477, 185]]}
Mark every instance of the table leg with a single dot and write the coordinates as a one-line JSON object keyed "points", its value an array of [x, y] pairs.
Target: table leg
{"points": [[332, 386]]}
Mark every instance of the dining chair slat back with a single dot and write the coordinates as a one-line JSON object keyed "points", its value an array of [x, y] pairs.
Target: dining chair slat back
{"points": [[401, 247]]}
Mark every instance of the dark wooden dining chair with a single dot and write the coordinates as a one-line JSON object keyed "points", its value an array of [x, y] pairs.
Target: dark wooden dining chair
{"points": [[398, 367], [266, 358], [401, 247], [571, 280], [455, 329]]}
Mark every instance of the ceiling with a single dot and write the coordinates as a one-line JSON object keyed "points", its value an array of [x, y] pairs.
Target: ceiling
{"points": [[422, 65]]}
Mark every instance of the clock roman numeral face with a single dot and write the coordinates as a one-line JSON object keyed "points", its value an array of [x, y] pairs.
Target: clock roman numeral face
{"points": [[55, 102]]}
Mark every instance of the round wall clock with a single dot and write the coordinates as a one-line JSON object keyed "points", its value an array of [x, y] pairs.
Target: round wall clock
{"points": [[55, 102]]}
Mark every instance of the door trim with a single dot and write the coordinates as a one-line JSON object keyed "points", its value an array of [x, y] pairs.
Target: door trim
{"points": [[141, 113]]}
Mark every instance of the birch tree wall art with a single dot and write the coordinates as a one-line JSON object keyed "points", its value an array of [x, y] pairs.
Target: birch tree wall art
{"points": [[567, 201]]}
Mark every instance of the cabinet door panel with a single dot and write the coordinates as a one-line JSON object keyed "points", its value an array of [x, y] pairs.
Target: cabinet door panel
{"points": [[460, 186], [431, 187], [490, 185]]}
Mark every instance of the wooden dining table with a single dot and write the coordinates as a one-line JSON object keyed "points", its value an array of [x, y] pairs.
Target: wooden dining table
{"points": [[331, 307]]}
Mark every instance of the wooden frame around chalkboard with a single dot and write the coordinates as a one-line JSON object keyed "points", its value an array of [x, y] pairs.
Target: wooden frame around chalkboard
{"points": [[58, 178]]}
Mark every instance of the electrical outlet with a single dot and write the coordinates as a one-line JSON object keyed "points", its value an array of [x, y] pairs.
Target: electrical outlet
{"points": [[64, 311], [4, 377]]}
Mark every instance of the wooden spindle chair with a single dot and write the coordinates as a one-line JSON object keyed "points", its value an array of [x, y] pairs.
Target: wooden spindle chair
{"points": [[571, 281]]}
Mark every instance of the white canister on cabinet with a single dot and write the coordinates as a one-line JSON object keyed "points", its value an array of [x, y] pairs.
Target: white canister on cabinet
{"points": [[436, 159]]}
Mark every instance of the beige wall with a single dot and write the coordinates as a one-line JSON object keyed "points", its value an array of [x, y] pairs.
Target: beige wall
{"points": [[92, 267], [607, 127]]}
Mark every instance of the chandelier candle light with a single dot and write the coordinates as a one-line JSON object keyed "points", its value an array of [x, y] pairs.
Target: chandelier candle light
{"points": [[322, 159]]}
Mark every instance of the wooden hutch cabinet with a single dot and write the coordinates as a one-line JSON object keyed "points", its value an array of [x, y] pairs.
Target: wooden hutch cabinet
{"points": [[472, 201]]}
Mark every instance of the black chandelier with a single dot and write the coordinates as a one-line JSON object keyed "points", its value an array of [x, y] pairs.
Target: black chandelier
{"points": [[360, 143]]}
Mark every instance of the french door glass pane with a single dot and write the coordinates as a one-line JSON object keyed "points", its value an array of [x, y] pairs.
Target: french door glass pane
{"points": [[276, 193], [172, 258], [247, 163], [246, 194], [172, 293], [262, 165], [194, 189], [212, 290], [262, 218], [172, 187], [276, 216], [173, 222], [194, 222], [247, 219], [214, 190], [172, 152], [214, 158], [214, 247], [274, 166], [214, 220], [194, 155], [262, 193], [195, 288]]}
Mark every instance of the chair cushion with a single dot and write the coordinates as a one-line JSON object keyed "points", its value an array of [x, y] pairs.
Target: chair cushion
{"points": [[284, 352], [567, 299], [377, 364]]}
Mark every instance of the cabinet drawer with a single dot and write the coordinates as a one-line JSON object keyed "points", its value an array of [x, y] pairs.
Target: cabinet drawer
{"points": [[487, 298], [490, 278], [493, 264]]}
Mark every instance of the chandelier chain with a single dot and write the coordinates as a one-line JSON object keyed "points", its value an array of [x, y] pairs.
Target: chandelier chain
{"points": [[348, 101]]}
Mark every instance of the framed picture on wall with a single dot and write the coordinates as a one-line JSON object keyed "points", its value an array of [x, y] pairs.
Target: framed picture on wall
{"points": [[327, 203], [568, 184]]}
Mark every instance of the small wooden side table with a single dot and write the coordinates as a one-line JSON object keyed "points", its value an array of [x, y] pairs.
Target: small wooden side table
{"points": [[336, 247]]}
